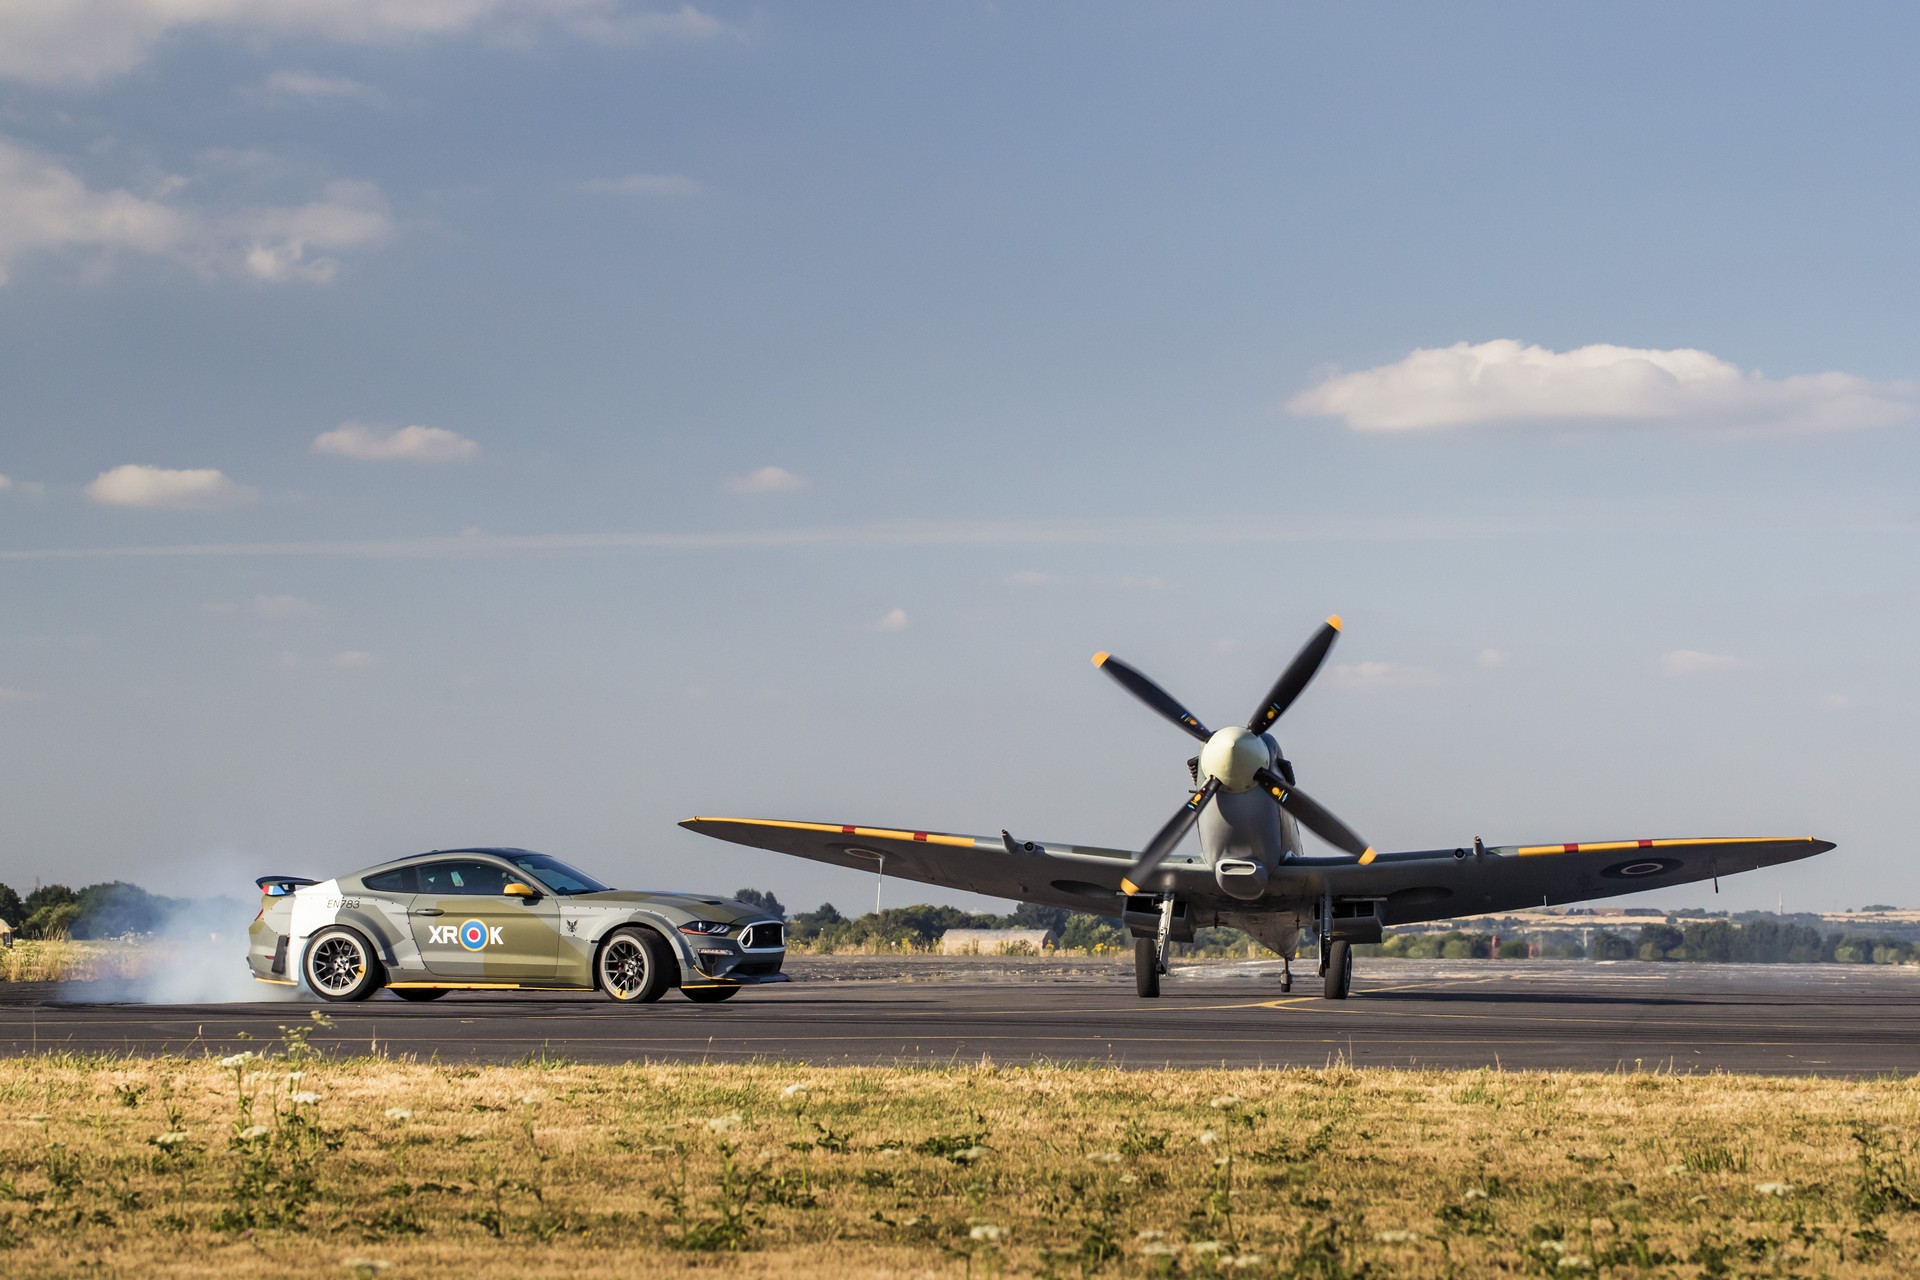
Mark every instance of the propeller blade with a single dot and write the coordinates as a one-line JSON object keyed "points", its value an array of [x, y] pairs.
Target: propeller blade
{"points": [[1167, 837], [1151, 694], [1308, 813], [1296, 677]]}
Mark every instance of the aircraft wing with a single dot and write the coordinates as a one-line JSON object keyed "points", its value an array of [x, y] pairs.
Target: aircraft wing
{"points": [[1438, 884], [1078, 877]]}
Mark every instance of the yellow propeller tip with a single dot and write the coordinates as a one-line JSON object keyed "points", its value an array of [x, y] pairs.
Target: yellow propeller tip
{"points": [[1127, 886], [1100, 658], [1368, 856], [1334, 622]]}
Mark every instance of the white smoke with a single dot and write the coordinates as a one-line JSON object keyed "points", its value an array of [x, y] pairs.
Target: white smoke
{"points": [[197, 956]]}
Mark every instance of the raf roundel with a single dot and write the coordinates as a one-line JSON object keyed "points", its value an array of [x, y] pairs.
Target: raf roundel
{"points": [[473, 935]]}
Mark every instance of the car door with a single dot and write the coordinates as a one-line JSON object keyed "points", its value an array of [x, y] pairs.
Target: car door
{"points": [[468, 929]]}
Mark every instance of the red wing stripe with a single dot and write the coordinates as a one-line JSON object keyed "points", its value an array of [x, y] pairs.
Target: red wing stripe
{"points": [[919, 835], [1569, 848], [1644, 844]]}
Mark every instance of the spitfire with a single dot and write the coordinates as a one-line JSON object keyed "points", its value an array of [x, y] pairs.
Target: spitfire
{"points": [[1252, 871]]}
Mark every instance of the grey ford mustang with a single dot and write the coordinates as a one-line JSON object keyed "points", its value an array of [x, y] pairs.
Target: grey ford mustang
{"points": [[504, 919]]}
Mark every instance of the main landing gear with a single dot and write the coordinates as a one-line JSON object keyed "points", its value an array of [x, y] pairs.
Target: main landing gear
{"points": [[1150, 954], [1336, 968]]}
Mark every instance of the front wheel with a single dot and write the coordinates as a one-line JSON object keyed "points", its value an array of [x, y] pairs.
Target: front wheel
{"points": [[1339, 977], [339, 965], [636, 966], [1146, 967], [709, 995]]}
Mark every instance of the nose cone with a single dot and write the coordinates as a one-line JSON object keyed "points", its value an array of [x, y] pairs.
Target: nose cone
{"points": [[1234, 755]]}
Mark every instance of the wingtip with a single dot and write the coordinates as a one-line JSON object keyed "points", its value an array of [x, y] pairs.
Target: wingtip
{"points": [[1100, 658], [1822, 846], [1333, 620]]}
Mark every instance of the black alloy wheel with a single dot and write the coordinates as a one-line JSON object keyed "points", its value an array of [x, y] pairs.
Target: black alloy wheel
{"points": [[339, 965], [636, 966]]}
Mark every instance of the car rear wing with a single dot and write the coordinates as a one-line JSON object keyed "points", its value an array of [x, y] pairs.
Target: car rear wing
{"points": [[281, 886]]}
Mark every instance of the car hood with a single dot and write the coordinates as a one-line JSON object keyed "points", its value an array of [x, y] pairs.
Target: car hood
{"points": [[705, 906]]}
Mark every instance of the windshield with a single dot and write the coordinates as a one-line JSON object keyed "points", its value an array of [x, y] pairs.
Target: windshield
{"points": [[555, 874]]}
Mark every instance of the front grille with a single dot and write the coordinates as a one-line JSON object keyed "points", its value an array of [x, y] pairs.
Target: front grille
{"points": [[755, 968], [760, 936]]}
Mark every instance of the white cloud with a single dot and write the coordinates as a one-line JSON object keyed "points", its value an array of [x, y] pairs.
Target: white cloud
{"points": [[46, 207], [645, 184], [406, 444], [1374, 677], [767, 480], [1492, 658], [1469, 385], [891, 620], [312, 85], [134, 485], [1031, 578], [5, 484], [86, 41], [1692, 662]]}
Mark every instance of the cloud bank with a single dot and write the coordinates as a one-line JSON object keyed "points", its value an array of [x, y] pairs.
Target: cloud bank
{"points": [[406, 444], [1504, 381], [134, 485], [47, 208], [78, 42]]}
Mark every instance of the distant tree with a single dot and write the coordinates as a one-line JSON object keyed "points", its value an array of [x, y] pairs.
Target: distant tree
{"points": [[1084, 933], [1030, 915], [55, 920], [46, 895], [1659, 942], [10, 906], [808, 925], [1879, 906], [115, 908], [763, 900]]}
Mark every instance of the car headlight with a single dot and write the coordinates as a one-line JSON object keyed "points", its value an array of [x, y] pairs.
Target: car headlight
{"points": [[711, 927]]}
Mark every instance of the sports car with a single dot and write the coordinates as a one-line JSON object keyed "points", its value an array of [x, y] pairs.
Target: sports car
{"points": [[504, 920]]}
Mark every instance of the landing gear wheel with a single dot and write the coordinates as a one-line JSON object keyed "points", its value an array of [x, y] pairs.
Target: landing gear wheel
{"points": [[1146, 967], [1339, 975], [339, 965], [419, 995], [636, 966], [709, 995]]}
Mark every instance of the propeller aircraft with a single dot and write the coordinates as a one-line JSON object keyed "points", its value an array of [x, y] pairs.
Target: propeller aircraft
{"points": [[1251, 871]]}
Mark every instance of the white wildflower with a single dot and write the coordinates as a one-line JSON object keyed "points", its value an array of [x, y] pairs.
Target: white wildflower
{"points": [[399, 1113], [720, 1124], [1674, 1170], [1775, 1188], [240, 1059], [170, 1139], [303, 1099], [365, 1265], [1128, 1178], [1553, 1246], [295, 1077], [254, 1132], [1576, 1262], [1106, 1157], [529, 1099], [1222, 1162], [795, 1090], [1151, 1234], [1396, 1237], [1206, 1246], [1475, 1193], [967, 1155], [986, 1231], [1226, 1102], [38, 1117], [1246, 1260], [1159, 1249], [1208, 1138]]}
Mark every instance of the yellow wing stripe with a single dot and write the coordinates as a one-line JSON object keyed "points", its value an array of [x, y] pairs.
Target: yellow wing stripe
{"points": [[871, 833], [1617, 846]]}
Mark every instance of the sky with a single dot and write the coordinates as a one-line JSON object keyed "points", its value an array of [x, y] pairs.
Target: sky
{"points": [[430, 423]]}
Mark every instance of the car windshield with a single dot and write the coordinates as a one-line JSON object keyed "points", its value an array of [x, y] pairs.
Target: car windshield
{"points": [[555, 874]]}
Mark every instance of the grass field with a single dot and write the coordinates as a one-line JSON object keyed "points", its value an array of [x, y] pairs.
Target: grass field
{"points": [[293, 1164]]}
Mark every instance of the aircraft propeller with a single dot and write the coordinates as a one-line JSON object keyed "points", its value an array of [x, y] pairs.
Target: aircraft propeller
{"points": [[1238, 759]]}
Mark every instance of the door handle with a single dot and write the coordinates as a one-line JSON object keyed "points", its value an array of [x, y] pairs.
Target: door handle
{"points": [[427, 911]]}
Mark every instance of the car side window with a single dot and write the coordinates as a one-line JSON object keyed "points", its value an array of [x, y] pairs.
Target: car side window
{"points": [[399, 880], [462, 877]]}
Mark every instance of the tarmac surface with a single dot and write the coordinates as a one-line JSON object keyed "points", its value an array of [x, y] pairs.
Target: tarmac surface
{"points": [[1772, 1019]]}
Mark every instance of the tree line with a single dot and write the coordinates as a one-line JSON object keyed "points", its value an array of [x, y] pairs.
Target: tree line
{"points": [[111, 909], [1711, 941]]}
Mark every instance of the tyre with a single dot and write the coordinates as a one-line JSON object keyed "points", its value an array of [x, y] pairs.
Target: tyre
{"points": [[636, 966], [339, 964], [709, 995], [1146, 967], [1339, 976], [419, 995]]}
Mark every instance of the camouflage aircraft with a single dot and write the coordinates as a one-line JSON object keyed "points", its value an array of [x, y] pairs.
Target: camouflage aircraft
{"points": [[1251, 872], [503, 920]]}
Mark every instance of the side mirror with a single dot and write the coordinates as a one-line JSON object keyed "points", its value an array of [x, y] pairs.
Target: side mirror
{"points": [[515, 889]]}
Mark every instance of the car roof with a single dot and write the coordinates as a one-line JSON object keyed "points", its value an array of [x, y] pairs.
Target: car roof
{"points": [[491, 852]]}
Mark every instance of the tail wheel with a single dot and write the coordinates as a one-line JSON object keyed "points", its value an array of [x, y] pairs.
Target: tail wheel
{"points": [[709, 995], [636, 966], [1339, 976], [419, 995], [1146, 967], [339, 964]]}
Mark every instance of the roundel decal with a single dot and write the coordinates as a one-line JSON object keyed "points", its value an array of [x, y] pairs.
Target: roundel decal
{"points": [[1642, 867], [473, 935]]}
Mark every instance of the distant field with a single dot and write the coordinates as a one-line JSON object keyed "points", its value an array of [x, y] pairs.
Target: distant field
{"points": [[295, 1165], [64, 960]]}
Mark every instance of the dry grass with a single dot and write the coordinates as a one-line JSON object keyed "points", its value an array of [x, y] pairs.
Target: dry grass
{"points": [[301, 1166], [65, 960]]}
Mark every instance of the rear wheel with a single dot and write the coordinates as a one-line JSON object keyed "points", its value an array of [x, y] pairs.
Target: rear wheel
{"points": [[1146, 967], [339, 965], [709, 995], [419, 995], [1339, 974], [636, 966]]}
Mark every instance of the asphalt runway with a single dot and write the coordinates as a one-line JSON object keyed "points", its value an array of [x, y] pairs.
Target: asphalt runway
{"points": [[1773, 1019]]}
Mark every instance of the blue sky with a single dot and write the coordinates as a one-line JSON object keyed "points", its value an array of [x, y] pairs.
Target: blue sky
{"points": [[454, 421]]}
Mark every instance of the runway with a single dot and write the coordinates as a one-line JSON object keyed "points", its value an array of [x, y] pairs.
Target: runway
{"points": [[1773, 1019]]}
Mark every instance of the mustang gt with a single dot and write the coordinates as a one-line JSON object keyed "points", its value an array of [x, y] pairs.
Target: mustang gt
{"points": [[504, 920]]}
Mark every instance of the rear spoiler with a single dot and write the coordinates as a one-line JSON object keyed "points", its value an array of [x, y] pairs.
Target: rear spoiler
{"points": [[281, 886]]}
